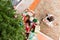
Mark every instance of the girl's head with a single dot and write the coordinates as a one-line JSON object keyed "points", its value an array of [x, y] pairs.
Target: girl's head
{"points": [[27, 17]]}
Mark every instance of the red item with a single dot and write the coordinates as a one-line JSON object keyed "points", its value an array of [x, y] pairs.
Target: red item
{"points": [[27, 29], [33, 25], [24, 18]]}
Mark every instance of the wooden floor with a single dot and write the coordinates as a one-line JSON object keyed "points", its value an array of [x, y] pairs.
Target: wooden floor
{"points": [[42, 36], [44, 28]]}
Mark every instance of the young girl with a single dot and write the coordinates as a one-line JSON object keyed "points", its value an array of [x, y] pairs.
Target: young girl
{"points": [[27, 25]]}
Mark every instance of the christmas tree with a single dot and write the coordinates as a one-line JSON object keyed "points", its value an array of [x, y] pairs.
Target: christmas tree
{"points": [[10, 28]]}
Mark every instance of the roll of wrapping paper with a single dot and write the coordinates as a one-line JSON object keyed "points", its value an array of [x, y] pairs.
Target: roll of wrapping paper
{"points": [[34, 4]]}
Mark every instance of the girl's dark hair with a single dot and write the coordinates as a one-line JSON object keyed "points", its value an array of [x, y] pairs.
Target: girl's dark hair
{"points": [[28, 21], [28, 16]]}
